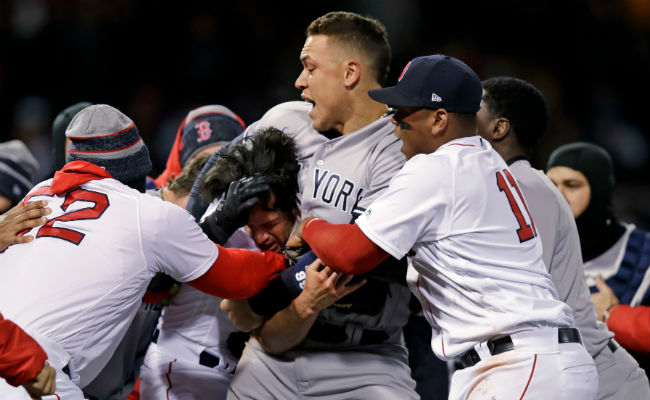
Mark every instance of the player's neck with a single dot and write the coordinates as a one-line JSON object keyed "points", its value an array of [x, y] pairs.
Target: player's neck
{"points": [[364, 111]]}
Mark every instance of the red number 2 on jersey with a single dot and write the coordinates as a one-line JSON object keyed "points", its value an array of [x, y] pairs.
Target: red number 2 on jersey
{"points": [[525, 231], [70, 235]]}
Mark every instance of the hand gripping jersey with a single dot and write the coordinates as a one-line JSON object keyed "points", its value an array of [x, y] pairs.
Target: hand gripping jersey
{"points": [[475, 261], [81, 280], [338, 179]]}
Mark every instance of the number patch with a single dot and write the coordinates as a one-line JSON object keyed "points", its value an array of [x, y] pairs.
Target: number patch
{"points": [[525, 231], [70, 235]]}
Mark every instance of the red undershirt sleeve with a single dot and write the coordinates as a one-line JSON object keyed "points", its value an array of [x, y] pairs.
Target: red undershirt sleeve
{"points": [[239, 273], [631, 327], [344, 248], [21, 357]]}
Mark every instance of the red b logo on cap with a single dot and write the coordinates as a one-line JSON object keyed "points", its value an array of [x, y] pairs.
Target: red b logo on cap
{"points": [[403, 71], [203, 128]]}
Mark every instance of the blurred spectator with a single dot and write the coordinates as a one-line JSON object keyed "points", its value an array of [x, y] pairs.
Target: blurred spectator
{"points": [[18, 168]]}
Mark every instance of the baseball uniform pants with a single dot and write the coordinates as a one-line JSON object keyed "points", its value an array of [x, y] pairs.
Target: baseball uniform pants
{"points": [[539, 367], [332, 374]]}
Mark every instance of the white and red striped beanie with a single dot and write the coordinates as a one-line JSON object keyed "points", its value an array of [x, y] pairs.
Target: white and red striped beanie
{"points": [[102, 135]]}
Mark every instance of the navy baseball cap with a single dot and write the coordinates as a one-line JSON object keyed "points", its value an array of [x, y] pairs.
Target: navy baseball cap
{"points": [[436, 81]]}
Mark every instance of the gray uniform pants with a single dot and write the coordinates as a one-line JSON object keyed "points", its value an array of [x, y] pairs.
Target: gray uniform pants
{"points": [[332, 375], [619, 376]]}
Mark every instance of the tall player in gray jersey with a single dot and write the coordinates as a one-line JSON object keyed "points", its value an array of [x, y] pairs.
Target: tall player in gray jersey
{"points": [[513, 116], [348, 154]]}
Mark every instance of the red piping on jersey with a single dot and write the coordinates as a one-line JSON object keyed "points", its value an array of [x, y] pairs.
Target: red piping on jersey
{"points": [[442, 339], [529, 378], [100, 136], [169, 381], [57, 396], [106, 151]]}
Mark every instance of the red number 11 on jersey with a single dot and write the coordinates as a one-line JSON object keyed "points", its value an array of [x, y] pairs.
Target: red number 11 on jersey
{"points": [[525, 231]]}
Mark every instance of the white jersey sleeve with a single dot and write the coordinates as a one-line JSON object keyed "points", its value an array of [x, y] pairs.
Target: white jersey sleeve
{"points": [[172, 241], [409, 211]]}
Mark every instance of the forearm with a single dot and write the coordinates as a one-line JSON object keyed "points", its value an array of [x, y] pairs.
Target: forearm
{"points": [[21, 357], [631, 327], [288, 328], [239, 274], [344, 248]]}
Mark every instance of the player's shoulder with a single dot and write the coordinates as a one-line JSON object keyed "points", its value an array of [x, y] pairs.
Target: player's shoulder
{"points": [[291, 117]]}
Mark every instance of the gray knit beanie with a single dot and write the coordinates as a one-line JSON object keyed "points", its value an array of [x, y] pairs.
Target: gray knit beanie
{"points": [[102, 135]]}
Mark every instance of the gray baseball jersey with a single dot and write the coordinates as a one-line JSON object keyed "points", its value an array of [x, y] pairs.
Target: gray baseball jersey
{"points": [[619, 375], [338, 179]]}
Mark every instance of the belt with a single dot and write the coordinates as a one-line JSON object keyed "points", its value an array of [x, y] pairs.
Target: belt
{"points": [[613, 346], [327, 333], [501, 345], [208, 360]]}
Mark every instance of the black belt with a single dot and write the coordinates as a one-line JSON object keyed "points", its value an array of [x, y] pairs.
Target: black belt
{"points": [[208, 360], [327, 333], [613, 346], [501, 345]]}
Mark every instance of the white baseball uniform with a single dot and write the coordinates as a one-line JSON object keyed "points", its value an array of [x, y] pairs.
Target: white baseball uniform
{"points": [[191, 325], [619, 375], [475, 264], [338, 179], [77, 286]]}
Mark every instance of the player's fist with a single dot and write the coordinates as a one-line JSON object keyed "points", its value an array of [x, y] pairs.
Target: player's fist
{"points": [[241, 315], [43, 384]]}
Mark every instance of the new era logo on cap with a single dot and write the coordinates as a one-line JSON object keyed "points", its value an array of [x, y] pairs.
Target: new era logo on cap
{"points": [[434, 82]]}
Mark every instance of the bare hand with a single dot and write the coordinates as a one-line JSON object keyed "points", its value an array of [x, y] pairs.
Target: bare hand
{"points": [[20, 218], [296, 239], [43, 384], [241, 314], [604, 299], [323, 287]]}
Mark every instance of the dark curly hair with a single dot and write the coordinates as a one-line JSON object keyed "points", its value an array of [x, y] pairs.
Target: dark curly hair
{"points": [[268, 152], [522, 103]]}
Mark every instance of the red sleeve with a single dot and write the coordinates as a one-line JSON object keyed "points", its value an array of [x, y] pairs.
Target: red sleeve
{"points": [[239, 273], [631, 327], [21, 358], [344, 248]]}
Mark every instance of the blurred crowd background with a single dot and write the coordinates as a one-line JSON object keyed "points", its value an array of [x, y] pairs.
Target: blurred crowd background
{"points": [[156, 60]]}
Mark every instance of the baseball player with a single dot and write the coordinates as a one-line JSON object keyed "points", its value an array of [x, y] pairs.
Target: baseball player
{"points": [[348, 154], [77, 285], [475, 258], [513, 117], [195, 354], [202, 131]]}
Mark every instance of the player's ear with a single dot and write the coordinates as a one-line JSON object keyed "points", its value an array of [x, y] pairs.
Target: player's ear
{"points": [[440, 119], [351, 73], [500, 128]]}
